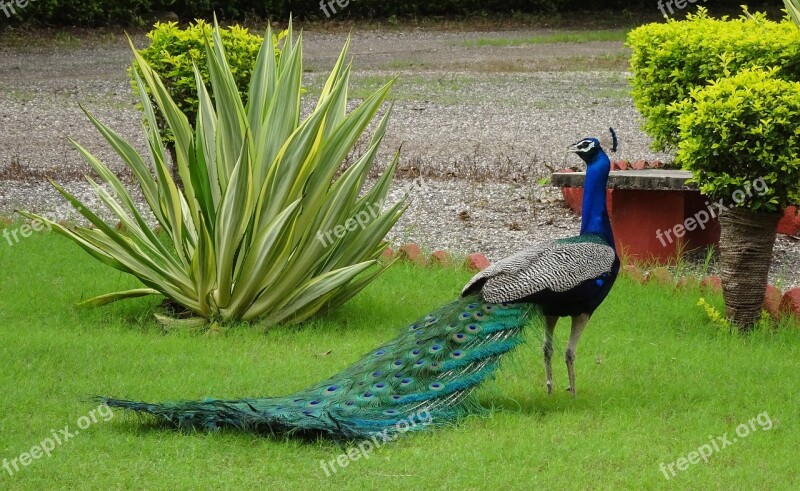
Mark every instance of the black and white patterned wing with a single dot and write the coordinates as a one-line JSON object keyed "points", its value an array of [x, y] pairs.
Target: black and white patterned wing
{"points": [[510, 265], [555, 266]]}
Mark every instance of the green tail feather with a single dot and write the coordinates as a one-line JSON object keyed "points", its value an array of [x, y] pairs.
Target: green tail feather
{"points": [[422, 378]]}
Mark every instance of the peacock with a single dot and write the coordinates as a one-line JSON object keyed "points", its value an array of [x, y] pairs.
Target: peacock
{"points": [[425, 376]]}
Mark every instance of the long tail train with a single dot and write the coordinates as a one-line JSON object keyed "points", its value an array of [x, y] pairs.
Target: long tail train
{"points": [[423, 377]]}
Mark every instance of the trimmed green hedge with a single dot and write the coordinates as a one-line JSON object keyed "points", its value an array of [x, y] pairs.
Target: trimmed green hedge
{"points": [[743, 132], [116, 12], [173, 52], [670, 59]]}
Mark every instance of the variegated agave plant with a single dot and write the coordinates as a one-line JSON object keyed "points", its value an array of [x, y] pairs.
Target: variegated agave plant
{"points": [[793, 9], [259, 189]]}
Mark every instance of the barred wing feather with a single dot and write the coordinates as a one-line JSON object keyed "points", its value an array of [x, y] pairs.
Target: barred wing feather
{"points": [[557, 266]]}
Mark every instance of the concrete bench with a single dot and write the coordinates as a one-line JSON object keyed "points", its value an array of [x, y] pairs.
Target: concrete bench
{"points": [[655, 214]]}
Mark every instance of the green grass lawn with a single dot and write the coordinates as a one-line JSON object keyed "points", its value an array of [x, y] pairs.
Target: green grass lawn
{"points": [[656, 379]]}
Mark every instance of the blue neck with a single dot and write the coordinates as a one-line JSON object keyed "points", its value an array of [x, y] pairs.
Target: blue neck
{"points": [[595, 214]]}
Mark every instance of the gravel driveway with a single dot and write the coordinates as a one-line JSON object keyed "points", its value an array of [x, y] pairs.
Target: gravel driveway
{"points": [[480, 125]]}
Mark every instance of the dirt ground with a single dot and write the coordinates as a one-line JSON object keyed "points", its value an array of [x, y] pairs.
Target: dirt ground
{"points": [[484, 104], [482, 117]]}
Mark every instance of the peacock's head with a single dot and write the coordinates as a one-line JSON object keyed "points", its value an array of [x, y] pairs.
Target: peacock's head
{"points": [[589, 148]]}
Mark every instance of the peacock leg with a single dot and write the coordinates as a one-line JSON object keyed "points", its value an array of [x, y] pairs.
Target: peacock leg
{"points": [[578, 323], [550, 326]]}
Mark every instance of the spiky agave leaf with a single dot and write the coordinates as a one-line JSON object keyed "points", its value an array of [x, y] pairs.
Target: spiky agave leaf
{"points": [[793, 9], [259, 189]]}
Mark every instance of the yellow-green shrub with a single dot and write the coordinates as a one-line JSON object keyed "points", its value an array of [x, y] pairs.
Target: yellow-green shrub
{"points": [[173, 51], [739, 129], [670, 59]]}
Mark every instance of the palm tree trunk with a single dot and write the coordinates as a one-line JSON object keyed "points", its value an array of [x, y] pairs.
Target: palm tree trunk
{"points": [[746, 242]]}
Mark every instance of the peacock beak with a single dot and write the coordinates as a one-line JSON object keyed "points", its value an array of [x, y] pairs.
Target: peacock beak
{"points": [[573, 148]]}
